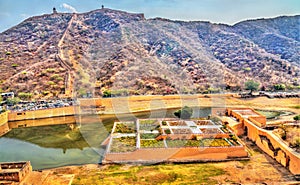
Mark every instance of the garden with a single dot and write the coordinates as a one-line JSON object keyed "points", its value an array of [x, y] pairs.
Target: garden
{"points": [[123, 144]]}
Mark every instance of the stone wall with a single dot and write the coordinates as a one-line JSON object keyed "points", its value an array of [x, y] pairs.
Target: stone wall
{"points": [[43, 122], [268, 141], [275, 147], [44, 113], [4, 128]]}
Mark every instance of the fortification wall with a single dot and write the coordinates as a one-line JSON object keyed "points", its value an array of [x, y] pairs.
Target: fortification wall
{"points": [[4, 128], [44, 113], [273, 146], [269, 142]]}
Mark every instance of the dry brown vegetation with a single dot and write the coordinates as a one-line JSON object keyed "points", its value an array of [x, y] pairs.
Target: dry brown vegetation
{"points": [[109, 49]]}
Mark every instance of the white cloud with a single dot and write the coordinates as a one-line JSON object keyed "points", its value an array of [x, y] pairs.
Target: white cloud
{"points": [[69, 7]]}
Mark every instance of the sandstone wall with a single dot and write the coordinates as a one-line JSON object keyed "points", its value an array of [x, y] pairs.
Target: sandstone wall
{"points": [[45, 113], [43, 122], [4, 128], [274, 147]]}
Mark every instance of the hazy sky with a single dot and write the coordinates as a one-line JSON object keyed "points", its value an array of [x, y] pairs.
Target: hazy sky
{"points": [[218, 11]]}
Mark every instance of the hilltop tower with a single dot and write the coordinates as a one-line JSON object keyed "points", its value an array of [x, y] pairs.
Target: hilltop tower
{"points": [[102, 7], [54, 10]]}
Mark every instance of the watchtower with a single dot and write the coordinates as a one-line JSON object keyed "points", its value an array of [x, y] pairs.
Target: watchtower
{"points": [[54, 10], [102, 7]]}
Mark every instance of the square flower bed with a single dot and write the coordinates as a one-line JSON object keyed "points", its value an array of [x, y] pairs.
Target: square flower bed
{"points": [[210, 130], [182, 131], [149, 125], [125, 128], [149, 135], [177, 123], [213, 143], [152, 144], [123, 144], [182, 143], [204, 122]]}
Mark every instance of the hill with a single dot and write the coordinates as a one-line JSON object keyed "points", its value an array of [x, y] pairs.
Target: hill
{"points": [[108, 51]]}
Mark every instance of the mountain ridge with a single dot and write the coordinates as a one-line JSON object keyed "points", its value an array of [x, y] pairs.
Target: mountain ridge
{"points": [[108, 50]]}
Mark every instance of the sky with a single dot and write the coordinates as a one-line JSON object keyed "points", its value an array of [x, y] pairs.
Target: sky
{"points": [[216, 11]]}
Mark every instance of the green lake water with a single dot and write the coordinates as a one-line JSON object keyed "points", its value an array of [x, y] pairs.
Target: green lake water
{"points": [[59, 145]]}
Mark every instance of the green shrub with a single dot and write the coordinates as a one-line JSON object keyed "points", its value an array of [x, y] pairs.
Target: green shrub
{"points": [[168, 131], [50, 70], [297, 118], [51, 83], [54, 76], [24, 95], [279, 87], [251, 85], [13, 101], [184, 113], [106, 93], [46, 93]]}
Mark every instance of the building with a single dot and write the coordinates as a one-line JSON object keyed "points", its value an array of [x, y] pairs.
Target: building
{"points": [[7, 95], [54, 10], [11, 172]]}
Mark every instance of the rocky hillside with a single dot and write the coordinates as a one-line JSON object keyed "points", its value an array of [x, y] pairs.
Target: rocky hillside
{"points": [[107, 51]]}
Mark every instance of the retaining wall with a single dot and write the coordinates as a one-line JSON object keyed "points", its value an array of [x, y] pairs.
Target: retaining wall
{"points": [[188, 154]]}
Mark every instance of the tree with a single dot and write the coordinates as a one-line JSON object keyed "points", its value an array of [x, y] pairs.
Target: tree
{"points": [[13, 101], [279, 87], [251, 85], [184, 113], [25, 96], [297, 118], [106, 93]]}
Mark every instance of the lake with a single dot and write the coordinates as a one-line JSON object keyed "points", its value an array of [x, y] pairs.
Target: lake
{"points": [[60, 145]]}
